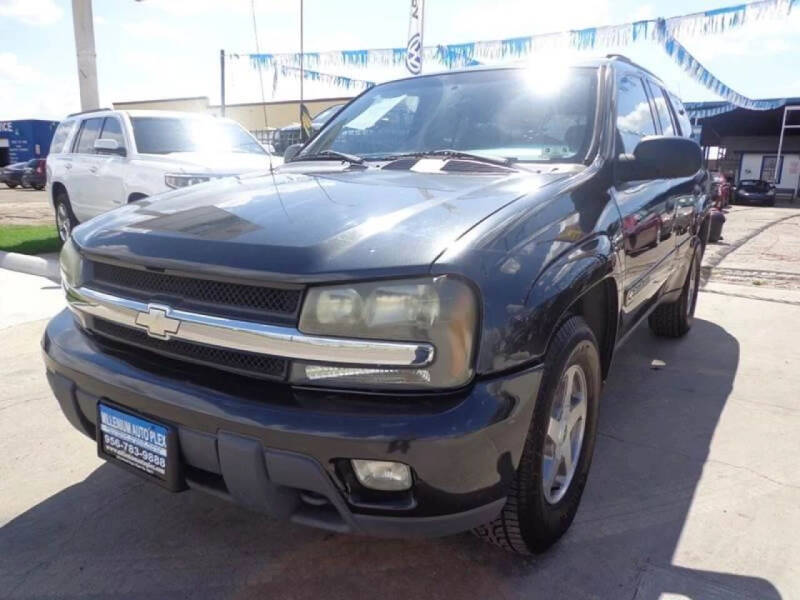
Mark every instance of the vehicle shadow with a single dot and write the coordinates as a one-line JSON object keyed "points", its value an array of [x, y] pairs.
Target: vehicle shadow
{"points": [[114, 535]]}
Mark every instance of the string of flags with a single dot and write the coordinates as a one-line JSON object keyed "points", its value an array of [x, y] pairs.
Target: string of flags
{"points": [[453, 56]]}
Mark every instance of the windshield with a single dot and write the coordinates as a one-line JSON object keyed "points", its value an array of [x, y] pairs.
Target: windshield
{"points": [[506, 113], [164, 135], [326, 114]]}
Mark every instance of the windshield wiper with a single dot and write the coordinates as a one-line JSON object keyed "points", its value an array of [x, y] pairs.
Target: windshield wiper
{"points": [[330, 155], [449, 153]]}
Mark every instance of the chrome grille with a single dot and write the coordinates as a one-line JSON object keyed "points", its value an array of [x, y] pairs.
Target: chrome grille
{"points": [[258, 365]]}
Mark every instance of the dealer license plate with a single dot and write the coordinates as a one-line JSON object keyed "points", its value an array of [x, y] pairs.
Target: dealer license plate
{"points": [[134, 441]]}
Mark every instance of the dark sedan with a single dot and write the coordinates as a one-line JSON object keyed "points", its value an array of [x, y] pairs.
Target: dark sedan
{"points": [[11, 175], [755, 191], [35, 176]]}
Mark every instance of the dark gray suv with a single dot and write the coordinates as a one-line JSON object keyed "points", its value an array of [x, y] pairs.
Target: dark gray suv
{"points": [[405, 329]]}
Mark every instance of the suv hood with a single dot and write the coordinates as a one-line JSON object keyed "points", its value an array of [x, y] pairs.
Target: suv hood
{"points": [[306, 226], [218, 163]]}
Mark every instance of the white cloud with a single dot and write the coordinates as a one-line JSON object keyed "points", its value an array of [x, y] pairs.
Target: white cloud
{"points": [[31, 12], [762, 38], [184, 8], [14, 72], [100, 20], [152, 29]]}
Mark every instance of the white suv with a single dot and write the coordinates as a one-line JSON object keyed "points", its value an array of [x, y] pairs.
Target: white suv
{"points": [[100, 160]]}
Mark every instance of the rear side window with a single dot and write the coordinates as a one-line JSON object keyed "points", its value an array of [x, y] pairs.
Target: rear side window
{"points": [[113, 131], [683, 117], [60, 137], [87, 135], [662, 109], [634, 117]]}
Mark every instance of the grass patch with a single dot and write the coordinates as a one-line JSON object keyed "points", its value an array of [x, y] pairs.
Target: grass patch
{"points": [[29, 239]]}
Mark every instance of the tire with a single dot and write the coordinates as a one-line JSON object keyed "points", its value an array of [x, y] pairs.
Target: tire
{"points": [[11, 185], [65, 218], [674, 320], [38, 188], [533, 519]]}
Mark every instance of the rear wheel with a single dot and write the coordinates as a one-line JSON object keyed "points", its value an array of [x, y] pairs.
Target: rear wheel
{"points": [[65, 219], [552, 472], [11, 185], [674, 320]]}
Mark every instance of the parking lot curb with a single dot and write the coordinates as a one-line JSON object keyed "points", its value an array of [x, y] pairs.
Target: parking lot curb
{"points": [[33, 265]]}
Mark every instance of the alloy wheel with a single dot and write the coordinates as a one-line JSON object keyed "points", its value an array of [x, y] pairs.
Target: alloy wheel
{"points": [[62, 220], [565, 429]]}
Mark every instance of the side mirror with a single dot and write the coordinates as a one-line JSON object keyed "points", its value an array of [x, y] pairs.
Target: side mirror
{"points": [[108, 146], [660, 157], [291, 152]]}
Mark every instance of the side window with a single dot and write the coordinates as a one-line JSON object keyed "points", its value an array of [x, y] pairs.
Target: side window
{"points": [[662, 109], [60, 137], [113, 131], [87, 135], [683, 117], [634, 117]]}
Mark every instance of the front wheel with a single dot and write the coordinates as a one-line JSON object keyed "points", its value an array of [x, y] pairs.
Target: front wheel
{"points": [[557, 454], [65, 218], [11, 185]]}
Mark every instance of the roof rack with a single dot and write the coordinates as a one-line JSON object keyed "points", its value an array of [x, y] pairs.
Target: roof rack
{"points": [[83, 112], [625, 59]]}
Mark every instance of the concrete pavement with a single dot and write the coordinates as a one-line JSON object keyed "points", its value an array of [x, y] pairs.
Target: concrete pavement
{"points": [[693, 492], [25, 207]]}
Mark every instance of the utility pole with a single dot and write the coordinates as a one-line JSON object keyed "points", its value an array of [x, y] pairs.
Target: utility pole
{"points": [[83, 24], [302, 129], [222, 81]]}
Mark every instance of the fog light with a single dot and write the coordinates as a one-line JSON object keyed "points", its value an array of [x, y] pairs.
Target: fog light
{"points": [[382, 475]]}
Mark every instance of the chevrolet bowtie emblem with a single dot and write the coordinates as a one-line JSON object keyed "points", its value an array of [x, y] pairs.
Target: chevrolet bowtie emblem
{"points": [[157, 322]]}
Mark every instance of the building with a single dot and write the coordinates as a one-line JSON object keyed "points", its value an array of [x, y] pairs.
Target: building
{"points": [[255, 116], [25, 139], [745, 143]]}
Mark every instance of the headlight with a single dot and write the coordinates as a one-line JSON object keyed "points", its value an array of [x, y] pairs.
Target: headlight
{"points": [[70, 264], [179, 180], [441, 311]]}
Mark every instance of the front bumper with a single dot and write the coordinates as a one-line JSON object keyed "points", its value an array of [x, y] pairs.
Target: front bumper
{"points": [[280, 450]]}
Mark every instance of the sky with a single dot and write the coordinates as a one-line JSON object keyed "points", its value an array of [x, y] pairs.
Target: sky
{"points": [[170, 48]]}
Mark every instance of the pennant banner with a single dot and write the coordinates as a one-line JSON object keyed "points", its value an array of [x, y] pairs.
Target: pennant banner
{"points": [[661, 31], [332, 80]]}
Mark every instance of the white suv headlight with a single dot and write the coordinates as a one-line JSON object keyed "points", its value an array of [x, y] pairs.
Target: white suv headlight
{"points": [[179, 180], [441, 311]]}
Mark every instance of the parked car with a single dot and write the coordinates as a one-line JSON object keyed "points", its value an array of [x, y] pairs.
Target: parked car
{"points": [[104, 159], [394, 334], [291, 134], [35, 176], [755, 191], [12, 174]]}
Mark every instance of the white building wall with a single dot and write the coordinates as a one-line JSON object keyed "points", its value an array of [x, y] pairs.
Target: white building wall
{"points": [[750, 168]]}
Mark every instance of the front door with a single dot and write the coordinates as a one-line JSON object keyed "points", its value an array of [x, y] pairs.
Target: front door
{"points": [[647, 208], [81, 168], [107, 188]]}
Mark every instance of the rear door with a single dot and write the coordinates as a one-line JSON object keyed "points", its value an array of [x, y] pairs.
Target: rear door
{"points": [[647, 207], [82, 169]]}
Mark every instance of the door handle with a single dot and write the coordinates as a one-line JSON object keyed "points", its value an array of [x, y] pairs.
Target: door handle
{"points": [[93, 169]]}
